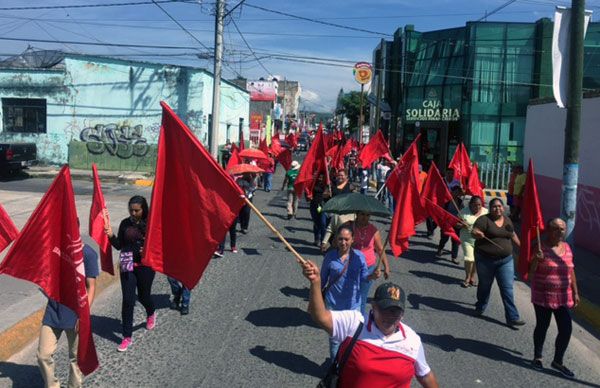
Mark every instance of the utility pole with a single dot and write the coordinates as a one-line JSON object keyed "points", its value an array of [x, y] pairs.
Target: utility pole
{"points": [[216, 102], [361, 118], [379, 85], [568, 208]]}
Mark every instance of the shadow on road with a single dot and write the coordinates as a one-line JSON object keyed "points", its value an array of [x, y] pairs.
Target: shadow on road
{"points": [[280, 317], [107, 327], [21, 375], [293, 241], [161, 301], [440, 304], [425, 257], [267, 214], [298, 292], [444, 279], [294, 229], [295, 363]]}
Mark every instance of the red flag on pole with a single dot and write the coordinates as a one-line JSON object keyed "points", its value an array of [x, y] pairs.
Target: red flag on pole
{"points": [[474, 185], [285, 158], [276, 147], [314, 163], [532, 221], [8, 230], [435, 188], [291, 140], [409, 208], [194, 202], [49, 253], [376, 148], [461, 164], [445, 220], [262, 145], [98, 219], [393, 181], [234, 159], [337, 161]]}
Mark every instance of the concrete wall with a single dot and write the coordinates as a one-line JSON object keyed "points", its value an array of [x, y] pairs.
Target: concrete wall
{"points": [[544, 142], [112, 106]]}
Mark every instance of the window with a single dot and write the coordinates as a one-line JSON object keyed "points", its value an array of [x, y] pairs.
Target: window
{"points": [[24, 115]]}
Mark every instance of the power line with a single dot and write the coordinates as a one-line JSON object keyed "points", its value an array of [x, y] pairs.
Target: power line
{"points": [[98, 44], [102, 5], [155, 2], [317, 21], [509, 2], [248, 45]]}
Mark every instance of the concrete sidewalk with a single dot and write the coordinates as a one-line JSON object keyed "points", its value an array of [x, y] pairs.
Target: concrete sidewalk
{"points": [[134, 178]]}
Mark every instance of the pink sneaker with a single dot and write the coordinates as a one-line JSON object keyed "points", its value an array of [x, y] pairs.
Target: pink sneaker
{"points": [[151, 321], [127, 341], [234, 250]]}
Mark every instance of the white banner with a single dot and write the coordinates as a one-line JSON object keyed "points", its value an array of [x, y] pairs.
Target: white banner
{"points": [[561, 39]]}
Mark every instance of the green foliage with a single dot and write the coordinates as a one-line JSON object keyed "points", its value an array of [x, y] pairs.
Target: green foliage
{"points": [[349, 106]]}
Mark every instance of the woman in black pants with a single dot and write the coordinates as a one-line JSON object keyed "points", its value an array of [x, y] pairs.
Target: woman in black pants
{"points": [[130, 241]]}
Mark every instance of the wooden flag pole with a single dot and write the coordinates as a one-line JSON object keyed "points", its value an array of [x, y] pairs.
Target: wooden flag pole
{"points": [[539, 240], [299, 258]]}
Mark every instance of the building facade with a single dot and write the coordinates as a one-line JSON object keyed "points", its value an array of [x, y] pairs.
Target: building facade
{"points": [[80, 108], [471, 84]]}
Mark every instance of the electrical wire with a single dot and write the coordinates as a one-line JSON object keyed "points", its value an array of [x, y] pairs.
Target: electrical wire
{"points": [[249, 48], [101, 5]]}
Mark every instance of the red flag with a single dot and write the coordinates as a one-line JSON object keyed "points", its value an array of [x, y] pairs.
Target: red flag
{"points": [[194, 202], [445, 220], [332, 151], [461, 163], [276, 147], [285, 158], [337, 161], [242, 142], [435, 189], [262, 145], [291, 140], [474, 185], [532, 220], [393, 181], [8, 230], [314, 164], [96, 226], [49, 253], [409, 209], [376, 148], [234, 159]]}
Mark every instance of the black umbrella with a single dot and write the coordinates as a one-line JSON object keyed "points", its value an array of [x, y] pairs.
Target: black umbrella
{"points": [[355, 203]]}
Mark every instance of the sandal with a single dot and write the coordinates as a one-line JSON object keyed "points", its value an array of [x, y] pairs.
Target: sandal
{"points": [[465, 284], [473, 283]]}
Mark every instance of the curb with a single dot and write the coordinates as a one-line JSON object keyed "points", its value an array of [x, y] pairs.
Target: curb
{"points": [[18, 336], [589, 312], [496, 194]]}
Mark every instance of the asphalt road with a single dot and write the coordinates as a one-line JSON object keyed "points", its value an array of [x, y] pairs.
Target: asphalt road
{"points": [[248, 326]]}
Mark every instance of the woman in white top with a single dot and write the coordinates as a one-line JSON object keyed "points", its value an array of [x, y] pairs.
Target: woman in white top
{"points": [[469, 215]]}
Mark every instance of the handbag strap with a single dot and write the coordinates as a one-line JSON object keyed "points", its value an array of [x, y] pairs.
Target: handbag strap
{"points": [[348, 350], [330, 284]]}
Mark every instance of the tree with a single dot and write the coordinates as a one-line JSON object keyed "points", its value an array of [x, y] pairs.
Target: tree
{"points": [[349, 106]]}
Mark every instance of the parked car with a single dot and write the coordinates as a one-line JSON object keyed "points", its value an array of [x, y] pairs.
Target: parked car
{"points": [[302, 144], [17, 156]]}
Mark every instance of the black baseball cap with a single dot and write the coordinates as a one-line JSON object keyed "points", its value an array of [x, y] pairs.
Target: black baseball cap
{"points": [[389, 295]]}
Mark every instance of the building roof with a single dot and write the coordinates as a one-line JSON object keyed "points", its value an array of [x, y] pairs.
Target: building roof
{"points": [[54, 59]]}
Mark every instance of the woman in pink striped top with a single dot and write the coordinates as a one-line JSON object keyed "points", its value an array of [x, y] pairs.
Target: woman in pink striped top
{"points": [[553, 292]]}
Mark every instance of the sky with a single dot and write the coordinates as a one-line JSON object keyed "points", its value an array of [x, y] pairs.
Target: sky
{"points": [[275, 44]]}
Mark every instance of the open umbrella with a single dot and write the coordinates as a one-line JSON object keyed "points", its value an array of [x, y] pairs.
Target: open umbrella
{"points": [[354, 203], [253, 153], [244, 168]]}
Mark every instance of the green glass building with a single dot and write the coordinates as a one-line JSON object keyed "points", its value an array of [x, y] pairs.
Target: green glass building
{"points": [[470, 84]]}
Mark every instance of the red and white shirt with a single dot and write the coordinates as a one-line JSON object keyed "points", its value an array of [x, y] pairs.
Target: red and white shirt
{"points": [[377, 360]]}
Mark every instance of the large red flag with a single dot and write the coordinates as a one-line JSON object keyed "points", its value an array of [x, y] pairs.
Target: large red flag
{"points": [[474, 186], [442, 218], [376, 148], [337, 161], [393, 181], [99, 218], [234, 159], [435, 189], [194, 202], [8, 230], [332, 151], [409, 208], [314, 164], [276, 147], [262, 145], [461, 163], [285, 158], [291, 140], [532, 220], [49, 253]]}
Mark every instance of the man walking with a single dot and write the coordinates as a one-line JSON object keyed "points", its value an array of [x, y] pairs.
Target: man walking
{"points": [[290, 179]]}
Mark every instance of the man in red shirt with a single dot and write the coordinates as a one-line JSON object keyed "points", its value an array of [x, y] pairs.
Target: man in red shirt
{"points": [[387, 353]]}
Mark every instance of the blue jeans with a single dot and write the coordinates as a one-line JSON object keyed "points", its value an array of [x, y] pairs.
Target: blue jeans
{"points": [[364, 290], [319, 221], [504, 272], [179, 291], [268, 181]]}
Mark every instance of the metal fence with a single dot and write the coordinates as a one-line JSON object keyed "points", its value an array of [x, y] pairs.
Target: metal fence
{"points": [[495, 176]]}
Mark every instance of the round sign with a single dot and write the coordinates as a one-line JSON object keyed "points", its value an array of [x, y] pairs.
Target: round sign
{"points": [[362, 72], [417, 124]]}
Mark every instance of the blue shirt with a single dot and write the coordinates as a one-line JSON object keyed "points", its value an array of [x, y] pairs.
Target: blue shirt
{"points": [[60, 316], [344, 294]]}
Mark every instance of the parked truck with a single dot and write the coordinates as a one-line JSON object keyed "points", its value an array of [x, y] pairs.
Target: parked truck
{"points": [[17, 156]]}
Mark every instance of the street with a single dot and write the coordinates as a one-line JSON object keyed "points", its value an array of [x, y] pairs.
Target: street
{"points": [[248, 325]]}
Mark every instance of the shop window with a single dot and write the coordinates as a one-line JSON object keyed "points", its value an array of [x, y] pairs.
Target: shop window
{"points": [[24, 115]]}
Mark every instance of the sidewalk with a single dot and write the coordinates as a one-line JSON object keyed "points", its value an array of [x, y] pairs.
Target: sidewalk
{"points": [[134, 178]]}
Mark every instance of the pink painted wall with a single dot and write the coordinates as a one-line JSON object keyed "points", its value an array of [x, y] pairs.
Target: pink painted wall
{"points": [[544, 142]]}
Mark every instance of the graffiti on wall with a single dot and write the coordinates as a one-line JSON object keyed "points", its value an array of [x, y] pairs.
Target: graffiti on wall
{"points": [[122, 141]]}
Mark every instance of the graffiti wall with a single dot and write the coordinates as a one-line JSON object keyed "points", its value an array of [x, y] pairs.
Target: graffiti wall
{"points": [[111, 106], [544, 142]]}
